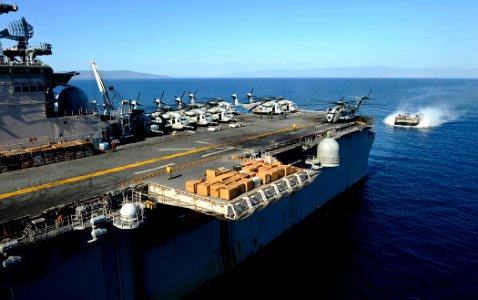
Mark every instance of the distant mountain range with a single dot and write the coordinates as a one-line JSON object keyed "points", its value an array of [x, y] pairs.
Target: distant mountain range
{"points": [[364, 72], [119, 74], [357, 72]]}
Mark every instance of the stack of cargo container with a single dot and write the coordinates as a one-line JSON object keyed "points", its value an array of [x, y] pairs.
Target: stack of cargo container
{"points": [[38, 156], [228, 184]]}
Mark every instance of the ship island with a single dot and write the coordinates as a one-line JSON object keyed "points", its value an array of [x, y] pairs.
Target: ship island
{"points": [[90, 208]]}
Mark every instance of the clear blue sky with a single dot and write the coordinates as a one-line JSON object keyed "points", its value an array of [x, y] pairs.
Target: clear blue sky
{"points": [[210, 37]]}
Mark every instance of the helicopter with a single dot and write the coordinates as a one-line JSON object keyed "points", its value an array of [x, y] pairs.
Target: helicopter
{"points": [[221, 114], [175, 120], [343, 110], [279, 103], [287, 105], [251, 103], [218, 103], [267, 105], [169, 117]]}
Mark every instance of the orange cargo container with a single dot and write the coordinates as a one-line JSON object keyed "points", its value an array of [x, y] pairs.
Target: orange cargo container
{"points": [[257, 163], [288, 169], [230, 180], [203, 189], [211, 174], [249, 169], [240, 188], [215, 189], [191, 185], [275, 164], [247, 163], [225, 176], [274, 175], [265, 176], [227, 192], [279, 170], [248, 184], [248, 174]]}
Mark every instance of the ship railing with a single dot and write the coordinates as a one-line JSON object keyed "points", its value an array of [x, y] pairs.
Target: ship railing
{"points": [[80, 112], [96, 210], [90, 208], [88, 213], [235, 209], [257, 200], [40, 230], [239, 209], [311, 141], [348, 128], [17, 236], [123, 222], [80, 221], [365, 121], [170, 196], [268, 194], [129, 221], [282, 188], [292, 182], [312, 160]]}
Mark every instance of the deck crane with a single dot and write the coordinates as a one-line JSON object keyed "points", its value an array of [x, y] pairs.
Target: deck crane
{"points": [[107, 99]]}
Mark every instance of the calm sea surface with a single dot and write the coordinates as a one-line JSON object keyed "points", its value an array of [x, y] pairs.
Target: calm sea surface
{"points": [[410, 231]]}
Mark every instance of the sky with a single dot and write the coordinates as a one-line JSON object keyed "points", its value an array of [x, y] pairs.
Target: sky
{"points": [[206, 38]]}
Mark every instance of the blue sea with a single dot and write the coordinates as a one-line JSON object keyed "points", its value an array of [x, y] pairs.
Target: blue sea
{"points": [[408, 231]]}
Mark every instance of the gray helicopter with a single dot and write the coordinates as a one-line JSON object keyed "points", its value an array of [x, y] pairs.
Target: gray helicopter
{"points": [[344, 111]]}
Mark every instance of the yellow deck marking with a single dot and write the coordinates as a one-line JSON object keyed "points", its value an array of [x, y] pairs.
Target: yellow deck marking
{"points": [[134, 165]]}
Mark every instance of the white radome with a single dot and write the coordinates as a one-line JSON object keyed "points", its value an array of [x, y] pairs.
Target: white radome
{"points": [[129, 211], [328, 152]]}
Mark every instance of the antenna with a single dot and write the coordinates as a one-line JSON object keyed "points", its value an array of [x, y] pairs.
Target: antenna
{"points": [[18, 31]]}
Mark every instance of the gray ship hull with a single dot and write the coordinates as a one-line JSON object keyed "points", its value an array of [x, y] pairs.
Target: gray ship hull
{"points": [[161, 261]]}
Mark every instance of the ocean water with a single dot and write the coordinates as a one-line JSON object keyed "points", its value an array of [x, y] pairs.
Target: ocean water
{"points": [[408, 231]]}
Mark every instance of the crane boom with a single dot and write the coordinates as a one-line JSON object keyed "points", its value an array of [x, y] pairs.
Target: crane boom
{"points": [[107, 101]]}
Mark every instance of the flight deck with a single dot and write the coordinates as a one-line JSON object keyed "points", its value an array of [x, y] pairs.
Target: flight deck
{"points": [[188, 153]]}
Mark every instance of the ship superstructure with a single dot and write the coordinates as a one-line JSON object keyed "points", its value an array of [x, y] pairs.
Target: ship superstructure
{"points": [[44, 119], [37, 106]]}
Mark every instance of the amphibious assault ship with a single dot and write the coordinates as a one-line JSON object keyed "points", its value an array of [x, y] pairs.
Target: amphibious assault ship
{"points": [[118, 226]]}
